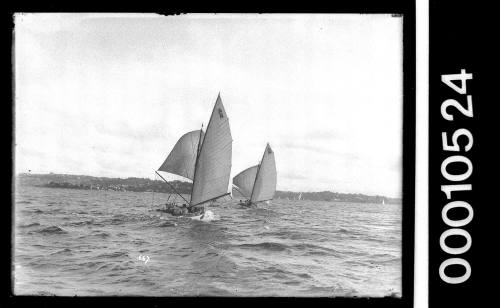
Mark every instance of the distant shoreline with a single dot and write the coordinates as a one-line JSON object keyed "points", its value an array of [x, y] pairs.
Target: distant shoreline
{"points": [[85, 182]]}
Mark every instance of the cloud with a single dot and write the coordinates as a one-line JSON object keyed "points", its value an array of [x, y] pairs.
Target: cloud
{"points": [[293, 176], [319, 150]]}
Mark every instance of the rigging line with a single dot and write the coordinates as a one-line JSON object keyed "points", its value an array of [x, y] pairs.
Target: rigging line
{"points": [[171, 186], [211, 199], [235, 187]]}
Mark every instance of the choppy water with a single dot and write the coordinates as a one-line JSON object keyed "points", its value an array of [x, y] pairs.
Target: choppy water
{"points": [[90, 243]]}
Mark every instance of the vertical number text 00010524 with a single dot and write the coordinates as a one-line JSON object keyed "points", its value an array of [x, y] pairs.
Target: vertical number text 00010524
{"points": [[457, 82]]}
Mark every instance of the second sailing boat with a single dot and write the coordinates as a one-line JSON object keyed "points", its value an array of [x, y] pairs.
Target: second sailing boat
{"points": [[204, 158], [258, 183]]}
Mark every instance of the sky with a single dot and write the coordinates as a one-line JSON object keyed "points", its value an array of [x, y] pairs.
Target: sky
{"points": [[110, 94]]}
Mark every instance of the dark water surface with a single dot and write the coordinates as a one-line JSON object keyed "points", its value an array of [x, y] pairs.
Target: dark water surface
{"points": [[100, 243]]}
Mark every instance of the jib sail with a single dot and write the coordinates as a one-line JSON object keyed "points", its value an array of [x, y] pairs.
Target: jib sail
{"points": [[244, 181], [182, 158]]}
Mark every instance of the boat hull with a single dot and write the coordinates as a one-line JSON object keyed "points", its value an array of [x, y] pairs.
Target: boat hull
{"points": [[247, 204], [182, 210]]}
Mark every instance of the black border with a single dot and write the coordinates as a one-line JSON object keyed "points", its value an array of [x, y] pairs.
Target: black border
{"points": [[459, 38], [405, 8]]}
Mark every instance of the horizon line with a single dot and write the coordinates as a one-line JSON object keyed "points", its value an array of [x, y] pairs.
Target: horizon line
{"points": [[153, 179]]}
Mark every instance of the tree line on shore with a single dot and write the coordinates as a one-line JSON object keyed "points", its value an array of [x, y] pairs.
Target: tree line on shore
{"points": [[147, 185]]}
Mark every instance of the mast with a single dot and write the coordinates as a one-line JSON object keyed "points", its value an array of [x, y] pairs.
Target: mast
{"points": [[196, 162], [172, 187]]}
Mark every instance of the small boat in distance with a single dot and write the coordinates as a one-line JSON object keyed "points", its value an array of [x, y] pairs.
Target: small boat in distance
{"points": [[258, 183], [204, 158]]}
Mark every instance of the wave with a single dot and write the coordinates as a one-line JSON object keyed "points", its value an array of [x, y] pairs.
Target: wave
{"points": [[63, 251], [90, 264], [394, 260], [80, 223], [54, 203], [311, 249], [115, 254], [116, 220], [335, 290], [278, 272], [382, 255], [35, 224], [119, 219], [274, 270], [101, 234], [167, 224], [52, 230], [266, 246]]}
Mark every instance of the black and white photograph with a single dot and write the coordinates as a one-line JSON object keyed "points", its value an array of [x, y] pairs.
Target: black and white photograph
{"points": [[201, 154]]}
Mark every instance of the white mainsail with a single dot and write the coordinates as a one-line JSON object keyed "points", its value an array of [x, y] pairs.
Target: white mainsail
{"points": [[244, 181], [265, 180], [213, 165], [181, 160]]}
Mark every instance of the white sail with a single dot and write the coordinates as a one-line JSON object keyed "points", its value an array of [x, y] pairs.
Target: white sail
{"points": [[182, 158], [265, 181], [244, 181], [213, 166]]}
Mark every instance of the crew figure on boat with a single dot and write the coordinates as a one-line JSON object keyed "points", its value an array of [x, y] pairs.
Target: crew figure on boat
{"points": [[245, 203], [182, 210]]}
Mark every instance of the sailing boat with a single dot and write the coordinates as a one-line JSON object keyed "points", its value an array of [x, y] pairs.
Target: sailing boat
{"points": [[258, 183], [205, 159]]}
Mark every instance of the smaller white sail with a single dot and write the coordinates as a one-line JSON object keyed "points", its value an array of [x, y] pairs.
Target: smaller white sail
{"points": [[265, 180], [244, 181]]}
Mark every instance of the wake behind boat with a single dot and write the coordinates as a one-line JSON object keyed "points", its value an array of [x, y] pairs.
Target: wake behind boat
{"points": [[258, 183], [205, 159]]}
